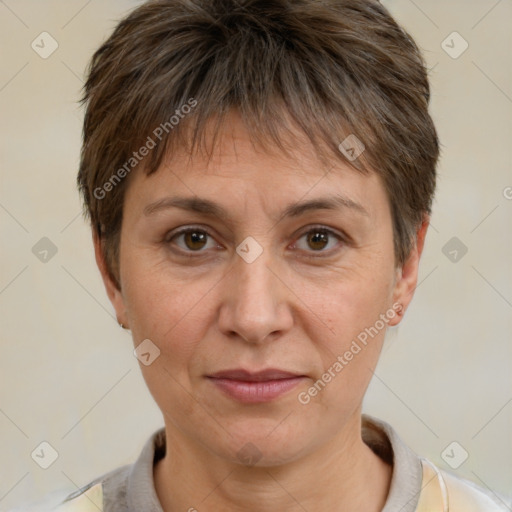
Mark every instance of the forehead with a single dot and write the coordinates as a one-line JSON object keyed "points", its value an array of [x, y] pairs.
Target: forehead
{"points": [[240, 167], [233, 143]]}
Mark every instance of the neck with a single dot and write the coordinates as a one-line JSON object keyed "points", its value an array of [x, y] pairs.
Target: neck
{"points": [[341, 474]]}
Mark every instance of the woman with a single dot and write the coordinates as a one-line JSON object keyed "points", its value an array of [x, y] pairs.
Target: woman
{"points": [[259, 178]]}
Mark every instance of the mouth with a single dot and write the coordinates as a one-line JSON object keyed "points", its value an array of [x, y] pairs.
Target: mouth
{"points": [[255, 387]]}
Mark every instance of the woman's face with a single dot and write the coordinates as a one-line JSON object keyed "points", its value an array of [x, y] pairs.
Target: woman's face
{"points": [[265, 278]]}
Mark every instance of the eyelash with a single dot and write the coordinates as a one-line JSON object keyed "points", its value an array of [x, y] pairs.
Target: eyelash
{"points": [[323, 229]]}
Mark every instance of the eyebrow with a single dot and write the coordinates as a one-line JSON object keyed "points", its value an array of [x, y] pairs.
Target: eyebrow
{"points": [[212, 209]]}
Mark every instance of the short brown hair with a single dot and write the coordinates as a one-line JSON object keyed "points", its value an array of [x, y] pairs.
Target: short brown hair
{"points": [[334, 67]]}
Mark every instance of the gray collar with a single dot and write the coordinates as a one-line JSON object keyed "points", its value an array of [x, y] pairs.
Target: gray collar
{"points": [[132, 489]]}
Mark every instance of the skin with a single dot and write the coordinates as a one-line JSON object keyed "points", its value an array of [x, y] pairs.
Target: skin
{"points": [[214, 311]]}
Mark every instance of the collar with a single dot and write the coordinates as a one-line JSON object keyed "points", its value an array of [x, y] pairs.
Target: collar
{"points": [[406, 481]]}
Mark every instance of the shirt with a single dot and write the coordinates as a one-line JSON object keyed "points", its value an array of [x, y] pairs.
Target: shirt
{"points": [[417, 485]]}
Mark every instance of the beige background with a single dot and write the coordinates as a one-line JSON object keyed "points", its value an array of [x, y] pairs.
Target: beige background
{"points": [[67, 371]]}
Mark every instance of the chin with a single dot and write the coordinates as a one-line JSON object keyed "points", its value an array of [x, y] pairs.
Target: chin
{"points": [[262, 442]]}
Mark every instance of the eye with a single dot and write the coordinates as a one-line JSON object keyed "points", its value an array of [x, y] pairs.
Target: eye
{"points": [[192, 239], [318, 239]]}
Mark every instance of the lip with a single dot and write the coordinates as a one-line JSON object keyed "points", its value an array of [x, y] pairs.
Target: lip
{"points": [[255, 387], [260, 376]]}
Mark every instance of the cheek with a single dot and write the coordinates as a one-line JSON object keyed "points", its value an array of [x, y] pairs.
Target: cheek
{"points": [[352, 334], [164, 308], [350, 301], [172, 316]]}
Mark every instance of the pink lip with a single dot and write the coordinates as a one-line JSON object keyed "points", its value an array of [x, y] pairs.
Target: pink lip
{"points": [[257, 387]]}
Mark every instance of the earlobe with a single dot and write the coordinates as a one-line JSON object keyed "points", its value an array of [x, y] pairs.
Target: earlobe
{"points": [[407, 275], [113, 291]]}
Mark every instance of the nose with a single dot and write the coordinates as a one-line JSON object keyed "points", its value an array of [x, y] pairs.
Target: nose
{"points": [[255, 301]]}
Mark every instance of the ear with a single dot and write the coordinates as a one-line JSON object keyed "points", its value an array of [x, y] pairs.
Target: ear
{"points": [[407, 274], [114, 293]]}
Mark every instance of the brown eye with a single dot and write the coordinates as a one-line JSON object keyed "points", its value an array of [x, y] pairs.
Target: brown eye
{"points": [[195, 239], [319, 240], [192, 240]]}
